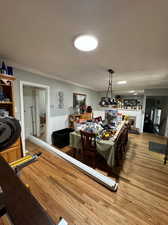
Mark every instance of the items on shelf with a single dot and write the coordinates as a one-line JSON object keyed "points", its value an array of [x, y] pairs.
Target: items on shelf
{"points": [[3, 96], [124, 103], [4, 68], [6, 95], [132, 104], [8, 70]]}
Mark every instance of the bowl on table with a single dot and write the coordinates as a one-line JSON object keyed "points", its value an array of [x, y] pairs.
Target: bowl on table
{"points": [[106, 135]]}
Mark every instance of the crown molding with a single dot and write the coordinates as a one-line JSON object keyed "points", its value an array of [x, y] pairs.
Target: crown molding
{"points": [[34, 71]]}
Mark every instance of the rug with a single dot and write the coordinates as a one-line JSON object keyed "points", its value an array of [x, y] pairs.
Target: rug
{"points": [[156, 147]]}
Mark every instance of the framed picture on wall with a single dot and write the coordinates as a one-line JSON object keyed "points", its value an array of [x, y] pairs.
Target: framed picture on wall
{"points": [[60, 100], [79, 100]]}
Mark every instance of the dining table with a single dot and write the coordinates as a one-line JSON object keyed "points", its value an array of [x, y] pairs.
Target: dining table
{"points": [[106, 148]]}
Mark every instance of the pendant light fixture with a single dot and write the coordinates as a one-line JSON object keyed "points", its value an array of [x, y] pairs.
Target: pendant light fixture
{"points": [[108, 100]]}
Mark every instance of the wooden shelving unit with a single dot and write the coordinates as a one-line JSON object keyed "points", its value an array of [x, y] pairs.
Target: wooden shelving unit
{"points": [[6, 82], [14, 152], [2, 103], [7, 77]]}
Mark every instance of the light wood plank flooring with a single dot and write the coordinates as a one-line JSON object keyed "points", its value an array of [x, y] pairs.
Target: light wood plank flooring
{"points": [[141, 199]]}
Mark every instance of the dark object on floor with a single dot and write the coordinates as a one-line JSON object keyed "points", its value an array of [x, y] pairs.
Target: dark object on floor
{"points": [[10, 131], [156, 147], [60, 138]]}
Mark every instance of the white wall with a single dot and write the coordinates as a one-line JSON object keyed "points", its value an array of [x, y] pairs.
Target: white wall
{"points": [[41, 100], [156, 92], [58, 117], [136, 113], [59, 122]]}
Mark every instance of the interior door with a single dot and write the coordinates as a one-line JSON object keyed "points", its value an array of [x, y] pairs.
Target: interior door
{"points": [[40, 111], [37, 112], [29, 111]]}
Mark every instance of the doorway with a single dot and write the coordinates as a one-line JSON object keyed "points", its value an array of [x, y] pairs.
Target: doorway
{"points": [[34, 112], [156, 126], [156, 114]]}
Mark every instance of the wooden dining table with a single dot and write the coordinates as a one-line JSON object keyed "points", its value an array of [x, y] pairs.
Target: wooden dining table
{"points": [[106, 148]]}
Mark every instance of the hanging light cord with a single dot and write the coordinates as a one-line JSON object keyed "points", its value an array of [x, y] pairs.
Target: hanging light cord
{"points": [[110, 84]]}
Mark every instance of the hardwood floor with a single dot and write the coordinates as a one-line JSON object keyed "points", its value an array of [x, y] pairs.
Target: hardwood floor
{"points": [[141, 199]]}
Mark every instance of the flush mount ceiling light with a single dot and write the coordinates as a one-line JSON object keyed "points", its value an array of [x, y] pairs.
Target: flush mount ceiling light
{"points": [[135, 93], [131, 91], [86, 43], [122, 82]]}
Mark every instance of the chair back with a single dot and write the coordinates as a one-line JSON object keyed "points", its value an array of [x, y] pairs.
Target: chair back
{"points": [[121, 144], [98, 119], [88, 141], [166, 153], [124, 136]]}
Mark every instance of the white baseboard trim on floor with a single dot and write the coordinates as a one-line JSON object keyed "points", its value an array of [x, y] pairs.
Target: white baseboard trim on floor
{"points": [[100, 178]]}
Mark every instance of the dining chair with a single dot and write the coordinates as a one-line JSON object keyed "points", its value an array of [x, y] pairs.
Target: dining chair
{"points": [[88, 141], [121, 145], [124, 139], [166, 153]]}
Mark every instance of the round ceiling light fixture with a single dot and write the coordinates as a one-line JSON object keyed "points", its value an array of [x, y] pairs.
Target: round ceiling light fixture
{"points": [[86, 43]]}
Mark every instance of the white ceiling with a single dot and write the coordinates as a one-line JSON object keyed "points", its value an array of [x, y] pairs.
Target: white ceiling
{"points": [[132, 34]]}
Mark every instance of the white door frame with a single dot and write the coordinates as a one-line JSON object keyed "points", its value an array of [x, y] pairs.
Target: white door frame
{"points": [[31, 84]]}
